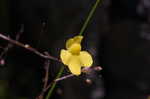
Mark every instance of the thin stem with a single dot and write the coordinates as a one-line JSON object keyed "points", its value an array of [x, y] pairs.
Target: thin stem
{"points": [[28, 47], [54, 83], [89, 17], [81, 32], [9, 46], [65, 77], [84, 70]]}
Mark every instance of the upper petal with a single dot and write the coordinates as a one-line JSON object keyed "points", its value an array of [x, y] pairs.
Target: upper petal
{"points": [[75, 65], [69, 42], [65, 56], [76, 39], [86, 59]]}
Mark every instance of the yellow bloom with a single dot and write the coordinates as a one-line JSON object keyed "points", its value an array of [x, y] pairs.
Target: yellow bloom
{"points": [[73, 57]]}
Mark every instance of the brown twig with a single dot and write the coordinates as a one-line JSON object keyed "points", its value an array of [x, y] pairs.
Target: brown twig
{"points": [[28, 47], [64, 77], [45, 80], [84, 70], [10, 45], [46, 67]]}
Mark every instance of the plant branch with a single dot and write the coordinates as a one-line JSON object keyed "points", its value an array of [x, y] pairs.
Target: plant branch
{"points": [[89, 17], [45, 79], [28, 47], [84, 70], [54, 83], [10, 45]]}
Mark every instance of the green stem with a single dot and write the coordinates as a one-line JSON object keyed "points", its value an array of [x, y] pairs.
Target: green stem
{"points": [[81, 32], [54, 84], [89, 17]]}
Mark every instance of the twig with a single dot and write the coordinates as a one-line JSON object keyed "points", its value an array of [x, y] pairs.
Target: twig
{"points": [[89, 17], [45, 80], [53, 84], [28, 47], [11, 45], [64, 77], [46, 67], [84, 70]]}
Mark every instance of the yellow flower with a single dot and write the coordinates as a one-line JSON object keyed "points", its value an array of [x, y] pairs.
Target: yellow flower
{"points": [[73, 57]]}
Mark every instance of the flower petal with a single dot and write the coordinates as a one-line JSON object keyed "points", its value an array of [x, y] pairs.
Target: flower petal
{"points": [[76, 39], [86, 59], [65, 56], [75, 49], [74, 65], [69, 42]]}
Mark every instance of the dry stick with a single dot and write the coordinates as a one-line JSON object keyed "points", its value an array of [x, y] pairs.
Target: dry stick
{"points": [[11, 45], [46, 67], [85, 70], [28, 47], [5, 50], [58, 79], [45, 80], [54, 83], [20, 32], [64, 77]]}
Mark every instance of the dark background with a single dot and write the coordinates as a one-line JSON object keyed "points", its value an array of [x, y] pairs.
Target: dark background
{"points": [[118, 36]]}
